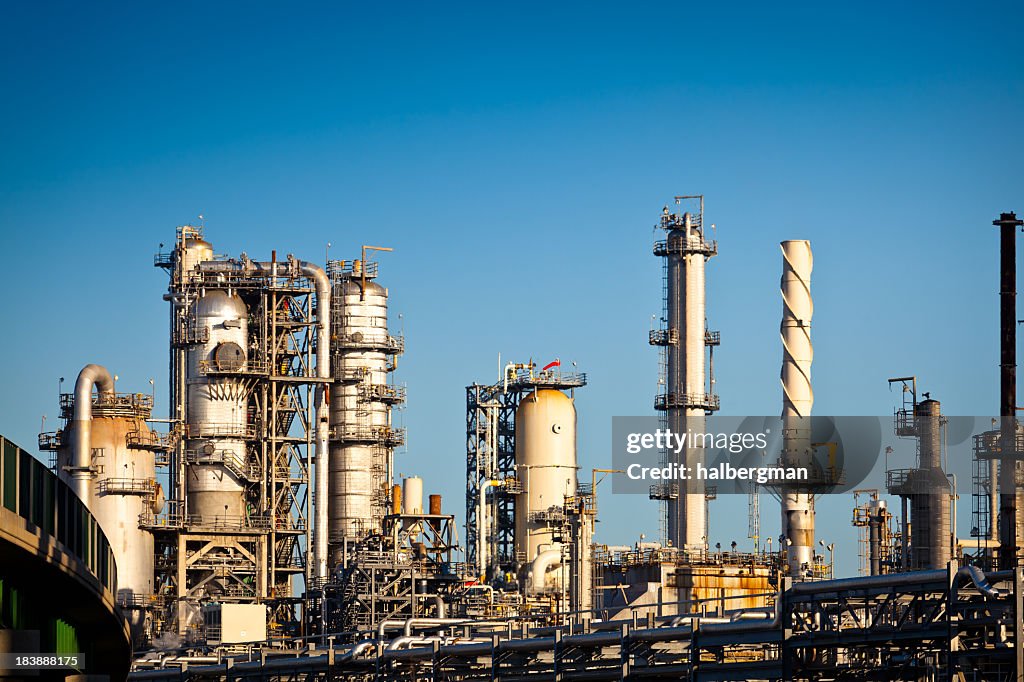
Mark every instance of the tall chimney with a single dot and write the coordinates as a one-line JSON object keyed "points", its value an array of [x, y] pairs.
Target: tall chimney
{"points": [[797, 401], [1008, 224]]}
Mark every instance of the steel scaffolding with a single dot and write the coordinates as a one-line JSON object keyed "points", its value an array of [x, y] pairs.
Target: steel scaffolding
{"points": [[255, 558]]}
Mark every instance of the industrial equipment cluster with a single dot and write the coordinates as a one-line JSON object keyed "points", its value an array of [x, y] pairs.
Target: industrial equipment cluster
{"points": [[259, 527]]}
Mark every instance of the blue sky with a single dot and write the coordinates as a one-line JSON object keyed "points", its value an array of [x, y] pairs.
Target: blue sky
{"points": [[516, 158]]}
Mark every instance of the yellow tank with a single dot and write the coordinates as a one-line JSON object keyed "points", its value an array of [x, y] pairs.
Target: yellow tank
{"points": [[546, 466]]}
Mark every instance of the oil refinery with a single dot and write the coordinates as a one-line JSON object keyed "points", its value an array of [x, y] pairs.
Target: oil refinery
{"points": [[257, 526]]}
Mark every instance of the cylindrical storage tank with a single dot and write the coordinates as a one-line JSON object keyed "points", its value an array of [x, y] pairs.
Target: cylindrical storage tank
{"points": [[412, 495], [193, 251], [123, 488], [360, 465], [396, 499], [546, 465], [217, 408], [435, 505]]}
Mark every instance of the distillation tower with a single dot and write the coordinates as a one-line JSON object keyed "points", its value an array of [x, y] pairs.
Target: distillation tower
{"points": [[249, 367], [363, 438], [107, 453], [924, 491], [686, 394]]}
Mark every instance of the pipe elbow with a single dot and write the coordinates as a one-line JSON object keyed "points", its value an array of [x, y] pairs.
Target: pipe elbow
{"points": [[90, 376], [539, 568]]}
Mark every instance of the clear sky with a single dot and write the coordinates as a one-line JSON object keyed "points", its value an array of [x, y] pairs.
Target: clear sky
{"points": [[516, 157]]}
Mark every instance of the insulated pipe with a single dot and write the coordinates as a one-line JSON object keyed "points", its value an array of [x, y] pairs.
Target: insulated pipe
{"points": [[980, 581], [482, 527], [409, 623], [880, 582], [81, 440], [539, 568], [797, 401], [323, 370]]}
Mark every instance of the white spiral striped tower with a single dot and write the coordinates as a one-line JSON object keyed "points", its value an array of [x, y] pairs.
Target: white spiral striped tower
{"points": [[797, 401]]}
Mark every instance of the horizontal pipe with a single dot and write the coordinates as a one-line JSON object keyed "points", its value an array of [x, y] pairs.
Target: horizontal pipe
{"points": [[870, 582]]}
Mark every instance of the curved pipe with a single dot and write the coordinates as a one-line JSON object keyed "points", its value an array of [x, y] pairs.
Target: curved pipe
{"points": [[539, 568], [358, 649], [408, 624], [980, 581], [323, 371], [81, 441]]}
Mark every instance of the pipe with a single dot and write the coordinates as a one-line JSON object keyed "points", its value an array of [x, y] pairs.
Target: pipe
{"points": [[482, 526], [408, 624], [539, 568], [440, 607], [323, 370], [797, 401], [399, 642], [359, 648], [980, 581], [81, 441], [870, 582]]}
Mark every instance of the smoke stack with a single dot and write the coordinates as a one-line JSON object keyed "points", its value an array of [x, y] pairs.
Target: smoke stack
{"points": [[797, 401], [1008, 531]]}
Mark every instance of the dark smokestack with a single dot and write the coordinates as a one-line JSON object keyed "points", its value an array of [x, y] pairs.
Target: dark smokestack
{"points": [[1008, 225]]}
